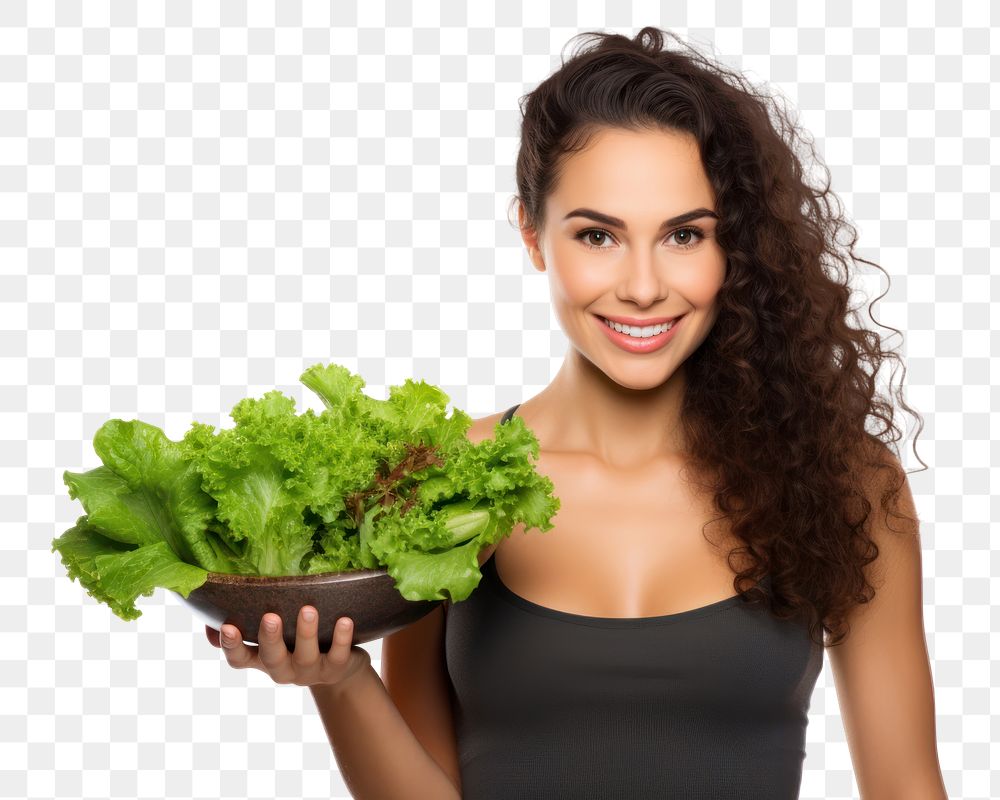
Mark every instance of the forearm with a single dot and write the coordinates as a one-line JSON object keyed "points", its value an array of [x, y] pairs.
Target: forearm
{"points": [[376, 751]]}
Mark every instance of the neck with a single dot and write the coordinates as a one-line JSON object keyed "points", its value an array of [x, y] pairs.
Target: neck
{"points": [[583, 410]]}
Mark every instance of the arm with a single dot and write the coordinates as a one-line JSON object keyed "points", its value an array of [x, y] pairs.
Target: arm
{"points": [[396, 735], [415, 674], [378, 754], [376, 751], [882, 670]]}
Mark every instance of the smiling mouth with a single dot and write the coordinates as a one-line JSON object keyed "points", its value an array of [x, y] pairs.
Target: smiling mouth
{"points": [[640, 331]]}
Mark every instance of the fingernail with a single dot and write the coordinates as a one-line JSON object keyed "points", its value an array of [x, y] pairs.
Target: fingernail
{"points": [[270, 625], [227, 635], [345, 623], [308, 615]]}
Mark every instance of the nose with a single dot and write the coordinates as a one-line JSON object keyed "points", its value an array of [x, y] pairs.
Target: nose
{"points": [[644, 278]]}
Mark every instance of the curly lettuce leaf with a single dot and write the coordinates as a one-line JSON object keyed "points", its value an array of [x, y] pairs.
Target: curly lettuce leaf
{"points": [[276, 472], [116, 574], [428, 555], [450, 575], [147, 492], [501, 472], [245, 470]]}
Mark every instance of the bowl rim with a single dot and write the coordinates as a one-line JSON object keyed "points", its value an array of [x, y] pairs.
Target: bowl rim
{"points": [[225, 578]]}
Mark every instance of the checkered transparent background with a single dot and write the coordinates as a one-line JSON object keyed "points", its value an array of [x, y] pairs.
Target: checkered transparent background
{"points": [[197, 202]]}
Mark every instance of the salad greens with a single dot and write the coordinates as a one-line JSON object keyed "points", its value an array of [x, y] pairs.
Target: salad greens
{"points": [[363, 484]]}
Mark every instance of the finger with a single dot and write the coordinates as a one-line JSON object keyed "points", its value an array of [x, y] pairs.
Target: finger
{"points": [[214, 637], [272, 651], [306, 653], [238, 654], [343, 637]]}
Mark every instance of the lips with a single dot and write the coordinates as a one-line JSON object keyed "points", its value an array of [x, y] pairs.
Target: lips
{"points": [[632, 344], [632, 322]]}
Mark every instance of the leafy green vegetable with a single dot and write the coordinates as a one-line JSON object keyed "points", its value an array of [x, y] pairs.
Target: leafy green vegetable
{"points": [[364, 484], [116, 574]]}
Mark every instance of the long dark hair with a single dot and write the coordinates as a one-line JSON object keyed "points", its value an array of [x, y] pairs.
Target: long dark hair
{"points": [[781, 393]]}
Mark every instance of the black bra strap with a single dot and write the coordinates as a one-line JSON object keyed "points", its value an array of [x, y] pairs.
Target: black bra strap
{"points": [[508, 414]]}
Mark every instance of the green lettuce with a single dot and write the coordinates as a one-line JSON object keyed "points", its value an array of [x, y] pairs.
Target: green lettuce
{"points": [[363, 484]]}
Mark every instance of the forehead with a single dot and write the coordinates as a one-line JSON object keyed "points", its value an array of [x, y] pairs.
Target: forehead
{"points": [[636, 172]]}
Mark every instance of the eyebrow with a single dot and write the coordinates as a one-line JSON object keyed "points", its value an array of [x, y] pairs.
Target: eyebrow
{"points": [[614, 222]]}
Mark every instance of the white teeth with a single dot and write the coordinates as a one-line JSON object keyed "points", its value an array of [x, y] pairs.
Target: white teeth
{"points": [[640, 333]]}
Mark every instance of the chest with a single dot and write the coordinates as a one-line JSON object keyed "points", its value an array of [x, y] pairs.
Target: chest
{"points": [[625, 543]]}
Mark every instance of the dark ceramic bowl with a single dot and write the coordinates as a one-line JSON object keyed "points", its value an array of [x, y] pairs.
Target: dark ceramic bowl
{"points": [[368, 596]]}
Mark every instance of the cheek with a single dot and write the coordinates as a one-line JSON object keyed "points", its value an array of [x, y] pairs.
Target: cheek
{"points": [[700, 292], [701, 284], [575, 281]]}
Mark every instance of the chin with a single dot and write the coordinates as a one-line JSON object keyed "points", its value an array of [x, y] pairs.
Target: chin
{"points": [[639, 384], [637, 377]]}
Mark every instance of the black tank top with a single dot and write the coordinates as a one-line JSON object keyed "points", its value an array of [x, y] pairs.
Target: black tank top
{"points": [[706, 704]]}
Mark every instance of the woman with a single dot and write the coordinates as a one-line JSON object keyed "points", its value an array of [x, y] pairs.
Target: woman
{"points": [[712, 384]]}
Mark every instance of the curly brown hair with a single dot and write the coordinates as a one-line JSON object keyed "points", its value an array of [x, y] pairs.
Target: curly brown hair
{"points": [[779, 395]]}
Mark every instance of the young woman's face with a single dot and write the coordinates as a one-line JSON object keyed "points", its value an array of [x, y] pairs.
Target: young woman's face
{"points": [[654, 261]]}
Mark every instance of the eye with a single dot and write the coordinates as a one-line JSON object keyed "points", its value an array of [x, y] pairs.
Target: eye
{"points": [[583, 236], [685, 233], [689, 243]]}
